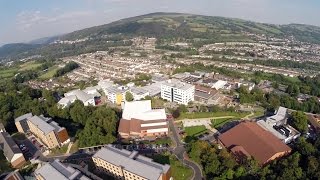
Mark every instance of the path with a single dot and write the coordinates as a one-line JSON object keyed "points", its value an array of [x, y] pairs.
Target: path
{"points": [[69, 147], [180, 152], [204, 119]]}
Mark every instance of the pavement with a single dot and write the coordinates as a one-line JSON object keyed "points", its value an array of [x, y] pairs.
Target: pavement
{"points": [[180, 152]]}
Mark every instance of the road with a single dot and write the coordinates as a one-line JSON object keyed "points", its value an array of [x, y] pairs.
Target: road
{"points": [[180, 152]]}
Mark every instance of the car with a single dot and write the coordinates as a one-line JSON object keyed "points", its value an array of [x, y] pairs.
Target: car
{"points": [[24, 149], [22, 145]]}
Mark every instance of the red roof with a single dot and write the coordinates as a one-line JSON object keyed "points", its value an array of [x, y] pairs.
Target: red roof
{"points": [[251, 139]]}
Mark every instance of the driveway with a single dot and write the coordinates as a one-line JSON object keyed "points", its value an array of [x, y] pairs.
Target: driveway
{"points": [[180, 152]]}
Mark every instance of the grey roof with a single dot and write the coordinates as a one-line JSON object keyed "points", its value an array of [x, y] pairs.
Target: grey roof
{"points": [[278, 117], [23, 117], [132, 162], [56, 170], [203, 95], [9, 147], [115, 89], [178, 84], [41, 123], [56, 126], [82, 96], [138, 91]]}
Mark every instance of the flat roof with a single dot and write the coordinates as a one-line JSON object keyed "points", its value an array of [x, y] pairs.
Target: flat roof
{"points": [[42, 124], [177, 84], [142, 110], [56, 170], [133, 162], [23, 117]]}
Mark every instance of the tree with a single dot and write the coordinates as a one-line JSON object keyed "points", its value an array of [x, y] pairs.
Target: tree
{"points": [[129, 96], [299, 121]]}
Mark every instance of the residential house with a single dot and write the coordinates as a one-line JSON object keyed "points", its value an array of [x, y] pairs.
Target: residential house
{"points": [[21, 123], [11, 150]]}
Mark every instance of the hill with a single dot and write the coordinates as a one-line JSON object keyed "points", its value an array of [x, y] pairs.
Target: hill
{"points": [[195, 29]]}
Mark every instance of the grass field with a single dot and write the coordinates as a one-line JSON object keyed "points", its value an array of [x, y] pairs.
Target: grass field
{"points": [[216, 123], [59, 151], [50, 73], [29, 66], [178, 170], [211, 114], [195, 130], [7, 73]]}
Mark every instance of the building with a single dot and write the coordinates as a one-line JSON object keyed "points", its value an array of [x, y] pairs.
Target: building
{"points": [[123, 164], [11, 150], [84, 97], [14, 175], [139, 120], [248, 139], [2, 129], [213, 83], [116, 94], [279, 118], [56, 170], [138, 93], [207, 96], [177, 91], [48, 131], [21, 123]]}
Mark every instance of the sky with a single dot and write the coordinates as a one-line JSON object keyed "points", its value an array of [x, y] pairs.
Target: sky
{"points": [[26, 20]]}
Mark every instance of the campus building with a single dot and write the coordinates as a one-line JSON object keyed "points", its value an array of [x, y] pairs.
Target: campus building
{"points": [[56, 170], [11, 150], [176, 91], [123, 164], [48, 131], [248, 139], [139, 120], [21, 123]]}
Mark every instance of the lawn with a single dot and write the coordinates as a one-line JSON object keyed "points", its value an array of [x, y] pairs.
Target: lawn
{"points": [[216, 123], [75, 147], [178, 170], [7, 73], [195, 130], [59, 151], [198, 115], [29, 65], [4, 164], [49, 73]]}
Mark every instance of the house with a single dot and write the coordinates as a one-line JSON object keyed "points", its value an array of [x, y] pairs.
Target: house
{"points": [[116, 94], [248, 139], [124, 164], [21, 123], [11, 150], [48, 131], [56, 170], [176, 91], [139, 120]]}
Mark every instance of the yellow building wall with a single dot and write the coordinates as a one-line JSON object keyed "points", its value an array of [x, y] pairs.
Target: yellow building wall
{"points": [[119, 98]]}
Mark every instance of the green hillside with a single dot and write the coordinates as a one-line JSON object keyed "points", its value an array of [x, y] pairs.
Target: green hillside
{"points": [[196, 29]]}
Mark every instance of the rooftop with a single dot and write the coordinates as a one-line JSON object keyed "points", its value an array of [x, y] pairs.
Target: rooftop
{"points": [[42, 124], [258, 142], [177, 84], [133, 162], [56, 170], [142, 110], [9, 147], [81, 95], [23, 117]]}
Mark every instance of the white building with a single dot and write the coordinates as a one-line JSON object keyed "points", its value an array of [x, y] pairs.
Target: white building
{"points": [[116, 94], [70, 97], [177, 91], [138, 93], [219, 84]]}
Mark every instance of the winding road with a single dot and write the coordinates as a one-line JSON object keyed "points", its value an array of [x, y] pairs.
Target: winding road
{"points": [[180, 152]]}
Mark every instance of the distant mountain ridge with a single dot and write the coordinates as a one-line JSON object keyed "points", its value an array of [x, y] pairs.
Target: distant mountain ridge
{"points": [[161, 25]]}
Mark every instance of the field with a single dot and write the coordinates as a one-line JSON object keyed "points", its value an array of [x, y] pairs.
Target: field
{"points": [[211, 115], [29, 66], [216, 123], [195, 130], [50, 73], [178, 170], [8, 72]]}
